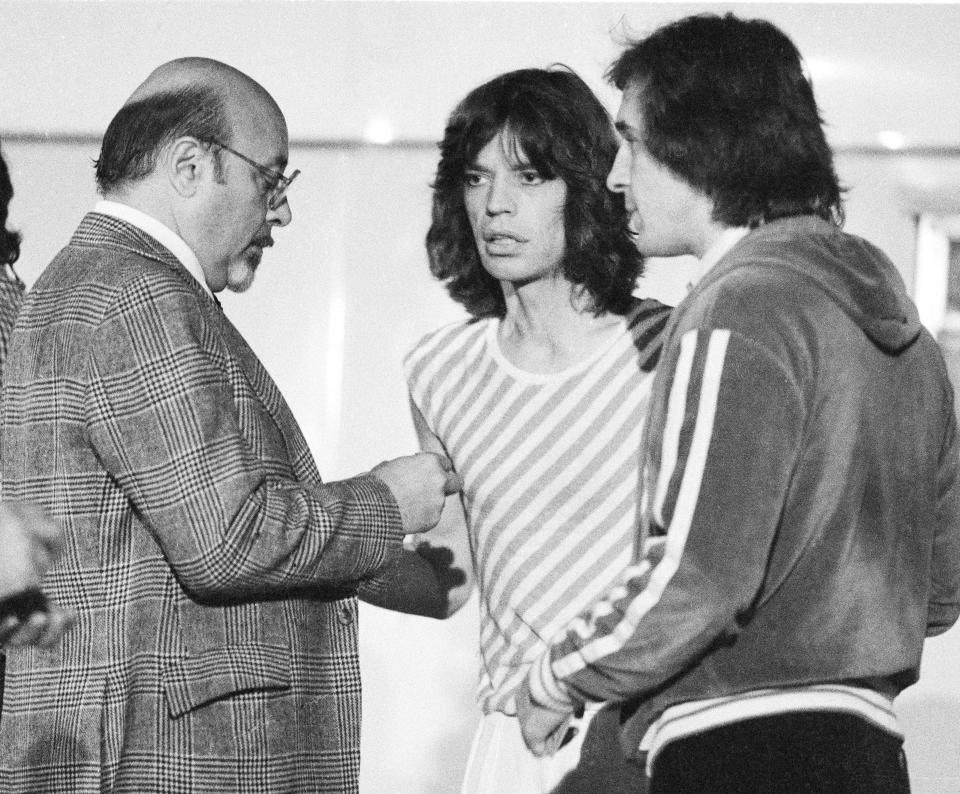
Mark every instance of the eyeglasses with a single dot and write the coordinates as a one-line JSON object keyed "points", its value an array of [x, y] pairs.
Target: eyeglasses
{"points": [[279, 184]]}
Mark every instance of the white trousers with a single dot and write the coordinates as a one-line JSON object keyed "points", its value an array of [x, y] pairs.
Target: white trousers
{"points": [[500, 762]]}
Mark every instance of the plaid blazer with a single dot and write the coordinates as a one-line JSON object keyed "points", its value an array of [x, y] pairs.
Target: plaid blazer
{"points": [[213, 573]]}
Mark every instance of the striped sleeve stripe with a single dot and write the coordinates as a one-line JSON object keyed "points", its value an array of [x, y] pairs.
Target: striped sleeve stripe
{"points": [[674, 423], [696, 461], [604, 608], [682, 518]]}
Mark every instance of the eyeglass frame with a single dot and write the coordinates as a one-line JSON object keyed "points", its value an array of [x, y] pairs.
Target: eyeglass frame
{"points": [[277, 194]]}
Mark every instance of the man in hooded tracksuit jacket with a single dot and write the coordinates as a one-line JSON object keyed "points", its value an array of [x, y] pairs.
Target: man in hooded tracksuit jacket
{"points": [[801, 519], [818, 574]]}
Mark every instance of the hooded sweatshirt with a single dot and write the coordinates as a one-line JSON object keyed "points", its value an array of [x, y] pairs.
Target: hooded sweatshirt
{"points": [[800, 494]]}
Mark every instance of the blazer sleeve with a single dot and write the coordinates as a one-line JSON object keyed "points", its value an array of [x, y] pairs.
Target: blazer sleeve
{"points": [[164, 422]]}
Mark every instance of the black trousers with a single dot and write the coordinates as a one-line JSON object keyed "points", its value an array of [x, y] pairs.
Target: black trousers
{"points": [[798, 752]]}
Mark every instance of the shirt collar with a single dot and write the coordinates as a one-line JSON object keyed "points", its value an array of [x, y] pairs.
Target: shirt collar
{"points": [[163, 234], [728, 238]]}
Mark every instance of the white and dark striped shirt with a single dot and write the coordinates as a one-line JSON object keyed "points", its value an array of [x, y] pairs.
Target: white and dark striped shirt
{"points": [[550, 465]]}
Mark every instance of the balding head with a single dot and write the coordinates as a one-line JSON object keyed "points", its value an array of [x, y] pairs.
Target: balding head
{"points": [[197, 97], [237, 92]]}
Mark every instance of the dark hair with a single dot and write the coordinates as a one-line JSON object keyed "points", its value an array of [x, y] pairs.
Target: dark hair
{"points": [[726, 105], [9, 241], [141, 129], [565, 133]]}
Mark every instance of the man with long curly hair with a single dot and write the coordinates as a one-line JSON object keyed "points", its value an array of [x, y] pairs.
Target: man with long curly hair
{"points": [[539, 400]]}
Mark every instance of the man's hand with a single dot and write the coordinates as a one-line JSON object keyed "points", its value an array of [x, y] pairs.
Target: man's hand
{"points": [[420, 483], [30, 540], [543, 729]]}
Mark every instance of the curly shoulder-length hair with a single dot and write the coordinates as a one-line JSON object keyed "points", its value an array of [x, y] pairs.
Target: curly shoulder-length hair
{"points": [[9, 240], [726, 105], [560, 127]]}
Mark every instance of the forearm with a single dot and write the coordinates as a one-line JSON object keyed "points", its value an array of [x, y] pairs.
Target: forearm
{"points": [[726, 456], [409, 584], [649, 627], [285, 536], [436, 578]]}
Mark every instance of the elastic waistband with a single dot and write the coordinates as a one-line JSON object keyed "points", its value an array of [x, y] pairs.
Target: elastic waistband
{"points": [[696, 716]]}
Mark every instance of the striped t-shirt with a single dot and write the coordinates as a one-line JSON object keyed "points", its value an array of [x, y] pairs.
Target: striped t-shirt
{"points": [[550, 466]]}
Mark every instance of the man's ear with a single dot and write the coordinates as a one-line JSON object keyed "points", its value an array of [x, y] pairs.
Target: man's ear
{"points": [[189, 164]]}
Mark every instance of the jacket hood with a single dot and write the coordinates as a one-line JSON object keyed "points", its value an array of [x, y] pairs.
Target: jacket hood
{"points": [[856, 274]]}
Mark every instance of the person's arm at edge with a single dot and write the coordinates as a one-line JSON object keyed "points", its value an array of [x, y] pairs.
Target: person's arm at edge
{"points": [[943, 605], [435, 578], [31, 541]]}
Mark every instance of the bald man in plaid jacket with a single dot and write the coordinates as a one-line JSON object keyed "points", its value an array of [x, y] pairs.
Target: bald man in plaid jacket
{"points": [[213, 574]]}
